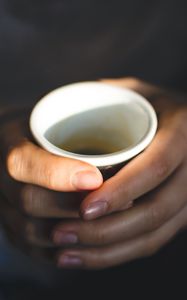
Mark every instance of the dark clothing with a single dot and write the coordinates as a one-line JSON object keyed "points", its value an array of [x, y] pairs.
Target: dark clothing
{"points": [[45, 44]]}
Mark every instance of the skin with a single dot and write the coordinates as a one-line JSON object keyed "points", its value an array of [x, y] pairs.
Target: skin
{"points": [[131, 215]]}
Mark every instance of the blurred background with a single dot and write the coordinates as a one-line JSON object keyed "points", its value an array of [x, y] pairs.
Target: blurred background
{"points": [[46, 44]]}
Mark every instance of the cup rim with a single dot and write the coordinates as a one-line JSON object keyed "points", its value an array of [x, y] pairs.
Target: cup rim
{"points": [[103, 160]]}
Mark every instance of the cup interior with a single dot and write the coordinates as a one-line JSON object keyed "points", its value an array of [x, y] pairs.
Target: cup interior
{"points": [[91, 114]]}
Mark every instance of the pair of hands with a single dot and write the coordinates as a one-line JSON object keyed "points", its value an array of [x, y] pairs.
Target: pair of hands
{"points": [[131, 215]]}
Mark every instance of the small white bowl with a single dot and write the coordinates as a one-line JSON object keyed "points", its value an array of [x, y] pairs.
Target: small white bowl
{"points": [[118, 110]]}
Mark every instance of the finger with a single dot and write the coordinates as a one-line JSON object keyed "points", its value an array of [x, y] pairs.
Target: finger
{"points": [[135, 84], [28, 163], [29, 231], [159, 96], [138, 177], [40, 202], [104, 257], [144, 217]]}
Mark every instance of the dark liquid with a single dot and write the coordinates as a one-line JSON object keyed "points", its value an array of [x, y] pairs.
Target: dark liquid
{"points": [[89, 151], [89, 146], [98, 131]]}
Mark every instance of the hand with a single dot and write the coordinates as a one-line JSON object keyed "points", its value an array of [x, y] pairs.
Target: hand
{"points": [[155, 182], [47, 189]]}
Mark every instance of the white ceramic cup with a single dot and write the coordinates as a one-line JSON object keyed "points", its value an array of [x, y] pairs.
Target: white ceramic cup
{"points": [[121, 114]]}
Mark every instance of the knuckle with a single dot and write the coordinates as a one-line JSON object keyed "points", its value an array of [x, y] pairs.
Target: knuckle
{"points": [[48, 174], [14, 162], [101, 233], [100, 236], [92, 234], [133, 81], [161, 167], [30, 202], [153, 217]]}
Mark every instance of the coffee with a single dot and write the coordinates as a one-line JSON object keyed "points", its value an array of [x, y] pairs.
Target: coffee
{"points": [[89, 145], [98, 131]]}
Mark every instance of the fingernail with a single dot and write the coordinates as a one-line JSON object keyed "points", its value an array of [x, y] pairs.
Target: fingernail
{"points": [[70, 261], [61, 237], [86, 180], [95, 210]]}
